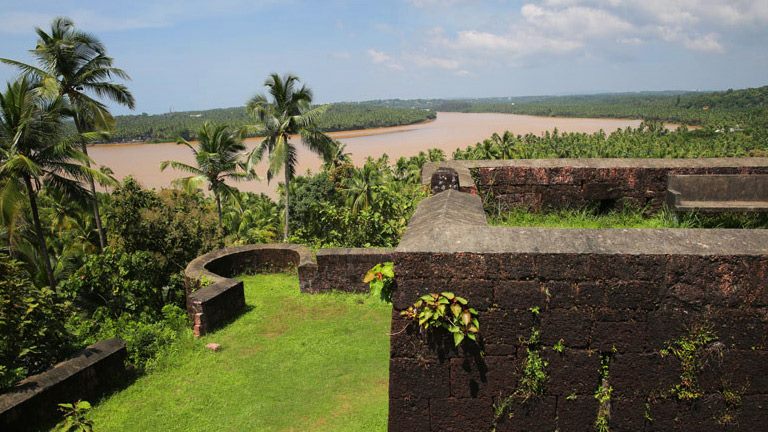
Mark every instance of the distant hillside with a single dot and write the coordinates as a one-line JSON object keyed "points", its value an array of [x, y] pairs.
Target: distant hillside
{"points": [[341, 116]]}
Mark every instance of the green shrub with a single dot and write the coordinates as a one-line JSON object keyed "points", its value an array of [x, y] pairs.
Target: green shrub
{"points": [[32, 334], [124, 282], [146, 338]]}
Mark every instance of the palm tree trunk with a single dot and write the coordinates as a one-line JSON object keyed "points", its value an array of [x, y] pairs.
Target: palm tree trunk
{"points": [[39, 231], [287, 206], [95, 203], [218, 207]]}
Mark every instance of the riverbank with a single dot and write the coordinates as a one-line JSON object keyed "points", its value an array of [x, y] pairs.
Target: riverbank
{"points": [[448, 131]]}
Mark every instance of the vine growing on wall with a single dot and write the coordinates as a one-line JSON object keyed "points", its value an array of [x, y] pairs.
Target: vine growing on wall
{"points": [[534, 372], [447, 311], [692, 350]]}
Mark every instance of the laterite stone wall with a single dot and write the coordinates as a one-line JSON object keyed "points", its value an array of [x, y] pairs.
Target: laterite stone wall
{"points": [[539, 184], [622, 295], [342, 269], [32, 404]]}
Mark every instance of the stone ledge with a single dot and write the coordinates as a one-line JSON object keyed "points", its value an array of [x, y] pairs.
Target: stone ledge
{"points": [[93, 372], [214, 305]]}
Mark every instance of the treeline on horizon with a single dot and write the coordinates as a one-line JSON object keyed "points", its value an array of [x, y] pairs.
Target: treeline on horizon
{"points": [[731, 108], [184, 124]]}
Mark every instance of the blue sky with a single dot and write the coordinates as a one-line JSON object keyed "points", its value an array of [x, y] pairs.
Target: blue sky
{"points": [[197, 54]]}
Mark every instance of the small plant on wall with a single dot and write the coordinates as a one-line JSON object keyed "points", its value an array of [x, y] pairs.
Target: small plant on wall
{"points": [[448, 311], [381, 280]]}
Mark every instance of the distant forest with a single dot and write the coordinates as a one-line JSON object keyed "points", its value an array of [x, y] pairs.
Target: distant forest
{"points": [[693, 108], [732, 108], [339, 116]]}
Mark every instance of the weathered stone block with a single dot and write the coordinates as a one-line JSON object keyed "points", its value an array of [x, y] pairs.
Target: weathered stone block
{"points": [[460, 415], [417, 379], [572, 372], [484, 377], [571, 325]]}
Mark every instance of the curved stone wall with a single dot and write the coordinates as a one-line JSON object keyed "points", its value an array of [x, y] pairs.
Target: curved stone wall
{"points": [[223, 298]]}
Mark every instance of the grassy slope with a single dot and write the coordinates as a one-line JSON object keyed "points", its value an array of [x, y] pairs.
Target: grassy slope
{"points": [[293, 362]]}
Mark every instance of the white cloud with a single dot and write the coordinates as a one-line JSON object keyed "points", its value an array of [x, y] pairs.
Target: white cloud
{"points": [[433, 62], [576, 20], [517, 44], [706, 43], [379, 57]]}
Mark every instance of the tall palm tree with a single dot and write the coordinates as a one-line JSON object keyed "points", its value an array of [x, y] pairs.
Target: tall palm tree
{"points": [[289, 112], [218, 159], [33, 156], [74, 65]]}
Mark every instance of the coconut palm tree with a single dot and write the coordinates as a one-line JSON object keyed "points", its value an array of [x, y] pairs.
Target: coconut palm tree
{"points": [[289, 112], [33, 155], [74, 65], [218, 159], [361, 189]]}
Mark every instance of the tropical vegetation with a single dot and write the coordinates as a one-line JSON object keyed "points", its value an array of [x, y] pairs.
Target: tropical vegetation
{"points": [[75, 66], [287, 111]]}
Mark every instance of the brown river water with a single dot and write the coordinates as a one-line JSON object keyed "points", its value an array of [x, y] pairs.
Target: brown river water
{"points": [[448, 132]]}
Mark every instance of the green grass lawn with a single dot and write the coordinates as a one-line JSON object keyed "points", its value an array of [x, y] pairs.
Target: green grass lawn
{"points": [[293, 362], [629, 218]]}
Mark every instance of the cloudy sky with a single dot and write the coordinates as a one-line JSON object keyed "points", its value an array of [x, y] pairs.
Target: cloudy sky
{"points": [[196, 54]]}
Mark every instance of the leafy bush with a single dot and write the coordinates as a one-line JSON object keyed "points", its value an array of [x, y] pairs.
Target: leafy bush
{"points": [[133, 282], [146, 338], [176, 226], [32, 334]]}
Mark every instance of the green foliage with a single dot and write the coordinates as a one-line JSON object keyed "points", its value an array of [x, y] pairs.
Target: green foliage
{"points": [[75, 417], [559, 347], [447, 311], [352, 208], [175, 226], [147, 337], [120, 281], [381, 280], [649, 140], [32, 334], [251, 218], [603, 396], [692, 351], [534, 376], [338, 117]]}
